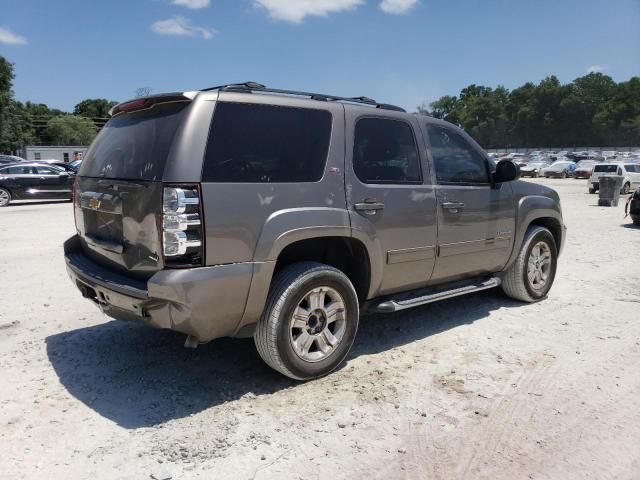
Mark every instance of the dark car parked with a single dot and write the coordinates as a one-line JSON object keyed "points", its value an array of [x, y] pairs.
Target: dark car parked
{"points": [[33, 181]]}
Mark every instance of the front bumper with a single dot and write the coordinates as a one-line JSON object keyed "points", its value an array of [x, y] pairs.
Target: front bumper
{"points": [[205, 302]]}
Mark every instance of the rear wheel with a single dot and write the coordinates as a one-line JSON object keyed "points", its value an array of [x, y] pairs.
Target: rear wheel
{"points": [[592, 190], [309, 322], [531, 276], [5, 197]]}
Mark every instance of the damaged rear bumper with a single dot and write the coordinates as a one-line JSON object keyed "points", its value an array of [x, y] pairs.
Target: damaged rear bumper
{"points": [[204, 302]]}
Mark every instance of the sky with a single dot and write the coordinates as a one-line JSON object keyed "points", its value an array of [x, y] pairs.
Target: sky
{"points": [[403, 52]]}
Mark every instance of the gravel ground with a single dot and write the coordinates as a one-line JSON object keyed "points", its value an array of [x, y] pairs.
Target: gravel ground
{"points": [[474, 387]]}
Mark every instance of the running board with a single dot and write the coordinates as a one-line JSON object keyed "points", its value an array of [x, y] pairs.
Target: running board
{"points": [[404, 301]]}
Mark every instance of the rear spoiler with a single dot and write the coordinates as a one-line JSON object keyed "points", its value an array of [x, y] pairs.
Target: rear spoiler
{"points": [[146, 103]]}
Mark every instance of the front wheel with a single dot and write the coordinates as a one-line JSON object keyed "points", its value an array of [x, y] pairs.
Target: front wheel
{"points": [[625, 189], [531, 275], [309, 322], [592, 190], [5, 197]]}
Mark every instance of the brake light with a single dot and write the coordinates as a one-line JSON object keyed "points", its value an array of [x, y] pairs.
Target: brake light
{"points": [[132, 105], [74, 187], [182, 232]]}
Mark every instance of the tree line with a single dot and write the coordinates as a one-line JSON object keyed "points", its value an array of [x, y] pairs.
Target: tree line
{"points": [[31, 123], [591, 111]]}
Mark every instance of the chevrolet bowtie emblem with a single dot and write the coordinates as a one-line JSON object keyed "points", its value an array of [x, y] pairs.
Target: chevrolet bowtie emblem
{"points": [[94, 203]]}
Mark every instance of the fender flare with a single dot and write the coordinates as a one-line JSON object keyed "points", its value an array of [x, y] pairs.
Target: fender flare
{"points": [[530, 209]]}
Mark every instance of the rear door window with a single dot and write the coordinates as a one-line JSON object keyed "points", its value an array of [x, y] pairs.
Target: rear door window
{"points": [[384, 151], [251, 143], [135, 145]]}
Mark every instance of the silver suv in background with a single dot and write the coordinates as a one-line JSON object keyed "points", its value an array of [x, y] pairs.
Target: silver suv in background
{"points": [[247, 211], [629, 171]]}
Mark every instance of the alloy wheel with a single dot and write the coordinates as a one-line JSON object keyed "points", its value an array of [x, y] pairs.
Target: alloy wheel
{"points": [[5, 198], [539, 266], [318, 324]]}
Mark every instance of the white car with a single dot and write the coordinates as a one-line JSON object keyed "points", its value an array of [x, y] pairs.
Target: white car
{"points": [[629, 171]]}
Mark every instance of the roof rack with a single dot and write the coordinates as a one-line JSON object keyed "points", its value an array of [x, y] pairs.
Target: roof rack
{"points": [[251, 87]]}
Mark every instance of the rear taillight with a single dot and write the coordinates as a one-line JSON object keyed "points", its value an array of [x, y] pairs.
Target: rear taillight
{"points": [[74, 189], [182, 232]]}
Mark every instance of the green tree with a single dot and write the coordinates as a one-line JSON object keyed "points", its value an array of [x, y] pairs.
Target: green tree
{"points": [[7, 133], [94, 108], [70, 130]]}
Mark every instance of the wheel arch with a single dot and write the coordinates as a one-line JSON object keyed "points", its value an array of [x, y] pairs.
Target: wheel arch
{"points": [[542, 211], [308, 234]]}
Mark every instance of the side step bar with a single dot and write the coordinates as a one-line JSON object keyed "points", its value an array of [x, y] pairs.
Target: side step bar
{"points": [[403, 301]]}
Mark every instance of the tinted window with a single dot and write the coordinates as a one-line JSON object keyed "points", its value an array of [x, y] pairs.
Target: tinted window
{"points": [[42, 170], [266, 144], [134, 145], [455, 160], [606, 168], [18, 171], [384, 151], [632, 168]]}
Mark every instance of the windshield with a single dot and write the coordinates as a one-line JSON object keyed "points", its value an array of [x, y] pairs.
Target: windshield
{"points": [[134, 146]]}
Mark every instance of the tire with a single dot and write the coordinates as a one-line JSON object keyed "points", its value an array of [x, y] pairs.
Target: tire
{"points": [[516, 283], [592, 190], [625, 189], [5, 197], [276, 332]]}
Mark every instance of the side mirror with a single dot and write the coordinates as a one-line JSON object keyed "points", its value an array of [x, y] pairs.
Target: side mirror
{"points": [[506, 171]]}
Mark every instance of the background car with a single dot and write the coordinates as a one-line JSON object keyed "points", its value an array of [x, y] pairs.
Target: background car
{"points": [[559, 169], [33, 181], [584, 169], [630, 173], [532, 169]]}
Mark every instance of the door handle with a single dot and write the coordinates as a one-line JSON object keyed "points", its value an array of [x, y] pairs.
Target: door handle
{"points": [[370, 206], [454, 207]]}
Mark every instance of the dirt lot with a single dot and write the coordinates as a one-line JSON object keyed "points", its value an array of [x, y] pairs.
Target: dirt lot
{"points": [[475, 387]]}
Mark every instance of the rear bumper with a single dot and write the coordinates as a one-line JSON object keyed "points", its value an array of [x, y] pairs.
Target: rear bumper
{"points": [[206, 302]]}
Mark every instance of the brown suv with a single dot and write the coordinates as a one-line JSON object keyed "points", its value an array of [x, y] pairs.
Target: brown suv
{"points": [[243, 210]]}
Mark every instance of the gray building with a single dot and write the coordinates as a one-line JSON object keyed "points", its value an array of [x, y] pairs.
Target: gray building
{"points": [[64, 153]]}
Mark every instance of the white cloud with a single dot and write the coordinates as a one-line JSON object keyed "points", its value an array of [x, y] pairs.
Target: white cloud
{"points": [[8, 37], [182, 27], [192, 4], [397, 7], [596, 68], [296, 10]]}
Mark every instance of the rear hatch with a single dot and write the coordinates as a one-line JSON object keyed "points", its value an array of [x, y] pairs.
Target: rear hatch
{"points": [[600, 170], [118, 195]]}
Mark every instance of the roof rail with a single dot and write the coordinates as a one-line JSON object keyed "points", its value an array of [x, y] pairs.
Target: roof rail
{"points": [[251, 87]]}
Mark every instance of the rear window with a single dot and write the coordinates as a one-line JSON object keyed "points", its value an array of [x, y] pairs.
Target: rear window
{"points": [[134, 146], [251, 143], [605, 168]]}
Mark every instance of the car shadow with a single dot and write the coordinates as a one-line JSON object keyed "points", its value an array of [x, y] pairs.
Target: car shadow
{"points": [[632, 226], [137, 376]]}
